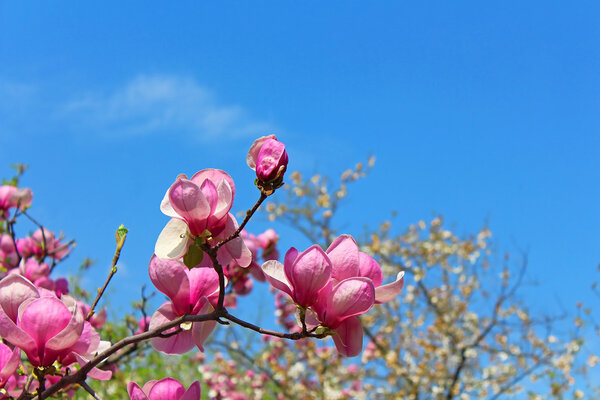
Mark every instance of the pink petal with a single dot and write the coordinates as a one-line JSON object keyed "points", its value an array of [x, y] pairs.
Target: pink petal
{"points": [[87, 342], [9, 361], [170, 277], [204, 282], [225, 201], [348, 338], [369, 268], [165, 204], [176, 344], [14, 290], [343, 253], [215, 176], [201, 330], [173, 241], [149, 385], [274, 273], [193, 392], [289, 258], [135, 393], [95, 373], [209, 190], [235, 249], [388, 292], [350, 297], [16, 336], [166, 389], [45, 318], [66, 338], [252, 155], [188, 200], [308, 275], [271, 158]]}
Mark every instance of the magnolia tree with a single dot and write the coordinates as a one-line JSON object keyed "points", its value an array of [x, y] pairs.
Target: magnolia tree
{"points": [[458, 331], [53, 343]]}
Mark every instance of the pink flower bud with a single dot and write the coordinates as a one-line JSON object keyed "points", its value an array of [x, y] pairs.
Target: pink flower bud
{"points": [[166, 388], [267, 156]]}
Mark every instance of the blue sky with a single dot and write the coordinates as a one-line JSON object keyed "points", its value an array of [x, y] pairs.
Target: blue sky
{"points": [[477, 112]]}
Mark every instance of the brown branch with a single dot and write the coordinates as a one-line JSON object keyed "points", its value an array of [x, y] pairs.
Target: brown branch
{"points": [[249, 215]]}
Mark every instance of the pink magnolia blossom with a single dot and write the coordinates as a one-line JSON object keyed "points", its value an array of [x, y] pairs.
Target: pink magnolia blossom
{"points": [[32, 269], [59, 286], [41, 243], [336, 286], [164, 389], [13, 197], [349, 262], [302, 275], [267, 156], [9, 361], [46, 328], [191, 292], [338, 307], [199, 205]]}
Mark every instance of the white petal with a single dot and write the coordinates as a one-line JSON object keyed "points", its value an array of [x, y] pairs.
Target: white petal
{"points": [[173, 241]]}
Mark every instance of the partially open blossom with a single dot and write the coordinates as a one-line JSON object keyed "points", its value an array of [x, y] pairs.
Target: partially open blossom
{"points": [[200, 206], [13, 197], [41, 243], [46, 328], [191, 292], [43, 326], [349, 262], [336, 286], [338, 307], [184, 286], [302, 275], [164, 389], [267, 156], [32, 269]]}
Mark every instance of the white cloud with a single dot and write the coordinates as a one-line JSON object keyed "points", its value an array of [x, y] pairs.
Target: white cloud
{"points": [[151, 104]]}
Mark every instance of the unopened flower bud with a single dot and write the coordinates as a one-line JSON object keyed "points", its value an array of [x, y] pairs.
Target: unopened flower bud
{"points": [[267, 156]]}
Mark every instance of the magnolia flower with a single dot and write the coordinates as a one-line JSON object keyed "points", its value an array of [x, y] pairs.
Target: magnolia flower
{"points": [[267, 156], [200, 207], [302, 275], [336, 286], [46, 328], [13, 197], [337, 308], [32, 269], [349, 262], [41, 243], [191, 292], [164, 389]]}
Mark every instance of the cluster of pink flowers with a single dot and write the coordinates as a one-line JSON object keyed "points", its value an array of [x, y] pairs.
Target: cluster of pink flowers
{"points": [[12, 197], [200, 252], [333, 288], [240, 279], [37, 317]]}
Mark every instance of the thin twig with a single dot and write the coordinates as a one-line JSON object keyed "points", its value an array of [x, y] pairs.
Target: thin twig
{"points": [[249, 215], [121, 234]]}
